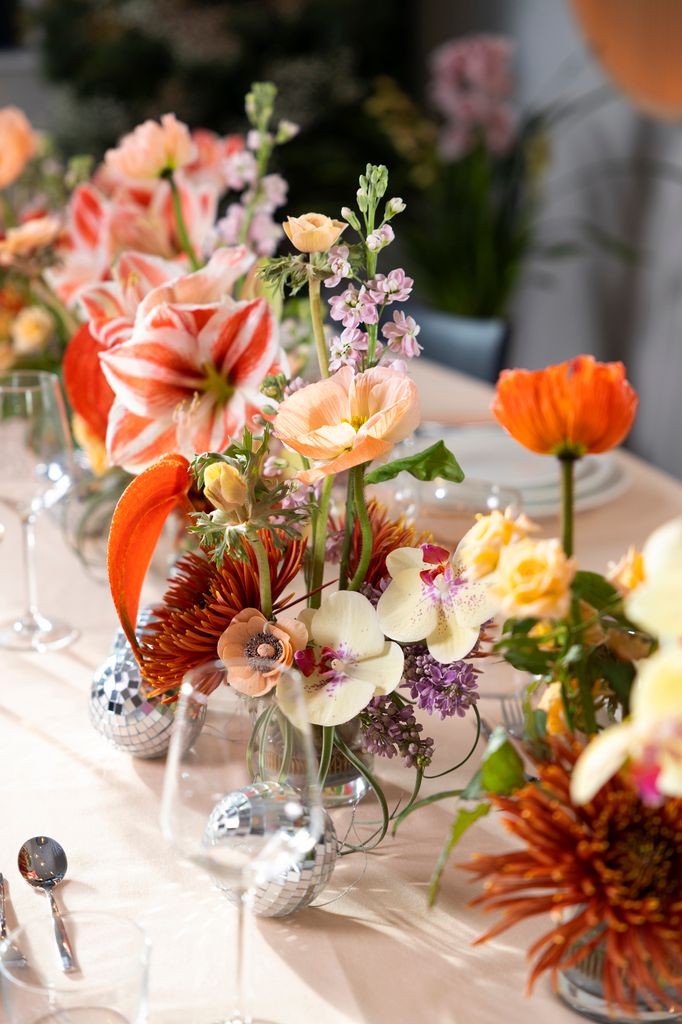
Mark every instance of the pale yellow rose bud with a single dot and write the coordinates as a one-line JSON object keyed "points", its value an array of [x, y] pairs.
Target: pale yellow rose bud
{"points": [[225, 488], [533, 579], [31, 329], [552, 704], [628, 573], [479, 549], [313, 232]]}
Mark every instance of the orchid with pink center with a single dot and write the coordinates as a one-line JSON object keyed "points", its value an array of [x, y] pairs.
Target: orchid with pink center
{"points": [[349, 663], [429, 598]]}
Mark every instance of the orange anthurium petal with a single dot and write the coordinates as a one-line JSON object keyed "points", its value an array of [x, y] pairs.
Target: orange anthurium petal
{"points": [[89, 393], [136, 526]]}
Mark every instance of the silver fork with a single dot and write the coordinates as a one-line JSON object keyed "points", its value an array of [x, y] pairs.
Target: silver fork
{"points": [[513, 717], [11, 953]]}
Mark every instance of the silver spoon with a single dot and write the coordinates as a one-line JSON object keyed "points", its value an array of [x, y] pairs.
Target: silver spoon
{"points": [[42, 862], [11, 953]]}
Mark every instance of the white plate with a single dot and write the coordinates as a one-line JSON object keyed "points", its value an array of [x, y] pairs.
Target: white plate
{"points": [[486, 452]]}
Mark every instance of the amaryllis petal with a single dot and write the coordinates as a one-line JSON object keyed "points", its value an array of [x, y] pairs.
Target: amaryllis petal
{"points": [[211, 283], [136, 442], [88, 391], [241, 340], [135, 529]]}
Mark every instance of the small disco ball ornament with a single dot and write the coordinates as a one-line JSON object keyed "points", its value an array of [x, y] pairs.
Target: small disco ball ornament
{"points": [[122, 712], [145, 615], [262, 809]]}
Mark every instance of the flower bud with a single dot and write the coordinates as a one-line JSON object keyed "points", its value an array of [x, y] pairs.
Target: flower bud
{"points": [[313, 232], [393, 206], [225, 487]]}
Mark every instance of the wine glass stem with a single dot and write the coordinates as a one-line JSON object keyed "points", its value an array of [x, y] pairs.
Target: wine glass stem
{"points": [[242, 979], [28, 537]]}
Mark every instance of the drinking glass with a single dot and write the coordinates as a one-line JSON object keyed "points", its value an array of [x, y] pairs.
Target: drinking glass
{"points": [[109, 987], [36, 470], [241, 798]]}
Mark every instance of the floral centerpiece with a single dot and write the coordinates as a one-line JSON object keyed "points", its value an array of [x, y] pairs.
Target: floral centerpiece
{"points": [[593, 793], [295, 565]]}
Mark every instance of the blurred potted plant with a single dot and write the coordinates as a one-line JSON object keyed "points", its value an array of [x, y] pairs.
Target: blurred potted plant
{"points": [[475, 167]]}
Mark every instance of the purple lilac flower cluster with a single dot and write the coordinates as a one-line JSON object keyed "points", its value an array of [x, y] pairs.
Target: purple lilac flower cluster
{"points": [[390, 729], [445, 690]]}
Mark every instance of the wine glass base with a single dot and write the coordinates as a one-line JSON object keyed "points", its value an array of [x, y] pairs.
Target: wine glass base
{"points": [[36, 633]]}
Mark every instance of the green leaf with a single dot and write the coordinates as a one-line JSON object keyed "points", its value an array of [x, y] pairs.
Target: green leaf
{"points": [[436, 461], [462, 823], [502, 768], [473, 789], [595, 590], [620, 676]]}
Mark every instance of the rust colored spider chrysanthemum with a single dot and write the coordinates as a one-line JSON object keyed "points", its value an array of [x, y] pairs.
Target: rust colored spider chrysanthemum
{"points": [[388, 534], [613, 866], [200, 603]]}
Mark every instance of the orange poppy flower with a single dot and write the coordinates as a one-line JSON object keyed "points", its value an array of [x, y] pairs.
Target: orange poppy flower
{"points": [[572, 409]]}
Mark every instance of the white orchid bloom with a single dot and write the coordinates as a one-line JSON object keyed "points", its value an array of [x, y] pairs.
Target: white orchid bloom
{"points": [[429, 598], [656, 604], [651, 739], [350, 663]]}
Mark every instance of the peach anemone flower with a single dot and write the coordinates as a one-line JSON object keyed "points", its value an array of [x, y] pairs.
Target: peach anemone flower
{"points": [[17, 144], [153, 149], [256, 651], [348, 419], [572, 409]]}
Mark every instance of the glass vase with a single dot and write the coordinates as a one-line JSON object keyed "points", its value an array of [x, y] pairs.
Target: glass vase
{"points": [[582, 988]]}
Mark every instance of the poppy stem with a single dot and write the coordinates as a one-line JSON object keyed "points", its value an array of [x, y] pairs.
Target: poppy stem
{"points": [[183, 236], [319, 547], [349, 527], [317, 322], [264, 581], [567, 463], [365, 529]]}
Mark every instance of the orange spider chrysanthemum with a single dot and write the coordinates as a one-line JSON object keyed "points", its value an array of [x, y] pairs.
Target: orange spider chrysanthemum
{"points": [[613, 866], [572, 409], [201, 601]]}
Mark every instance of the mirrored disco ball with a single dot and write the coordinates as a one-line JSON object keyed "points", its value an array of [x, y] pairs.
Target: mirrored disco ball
{"points": [[259, 810], [120, 708]]}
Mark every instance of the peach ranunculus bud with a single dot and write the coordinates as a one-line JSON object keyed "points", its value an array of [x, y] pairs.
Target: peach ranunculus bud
{"points": [[348, 419], [534, 579], [226, 489], [17, 144], [480, 548], [313, 232], [627, 573], [153, 149], [256, 651], [24, 240]]}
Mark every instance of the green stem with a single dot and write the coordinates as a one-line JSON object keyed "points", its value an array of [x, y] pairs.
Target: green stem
{"points": [[361, 767], [319, 544], [326, 751], [349, 527], [372, 329], [567, 502], [365, 529], [181, 226], [318, 322], [263, 576], [8, 218]]}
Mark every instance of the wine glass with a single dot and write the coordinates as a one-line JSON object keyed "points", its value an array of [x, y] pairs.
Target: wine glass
{"points": [[241, 797], [36, 470]]}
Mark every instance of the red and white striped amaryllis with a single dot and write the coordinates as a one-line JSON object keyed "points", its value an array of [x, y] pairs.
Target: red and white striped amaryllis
{"points": [[188, 378]]}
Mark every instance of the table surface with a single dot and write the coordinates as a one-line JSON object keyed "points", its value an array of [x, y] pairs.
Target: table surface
{"points": [[376, 954]]}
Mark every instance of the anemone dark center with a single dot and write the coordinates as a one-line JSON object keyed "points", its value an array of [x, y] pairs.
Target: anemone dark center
{"points": [[263, 649]]}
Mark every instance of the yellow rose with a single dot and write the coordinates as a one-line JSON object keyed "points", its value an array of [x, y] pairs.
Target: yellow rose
{"points": [[552, 704], [93, 446], [226, 489], [479, 549], [31, 329], [627, 573], [533, 579], [313, 232]]}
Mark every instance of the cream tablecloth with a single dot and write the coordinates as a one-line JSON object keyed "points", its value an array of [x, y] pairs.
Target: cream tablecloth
{"points": [[378, 954]]}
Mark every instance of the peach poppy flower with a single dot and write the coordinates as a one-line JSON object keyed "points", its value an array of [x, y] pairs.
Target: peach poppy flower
{"points": [[574, 408], [313, 232], [256, 651], [152, 149], [17, 144], [24, 240], [348, 419]]}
